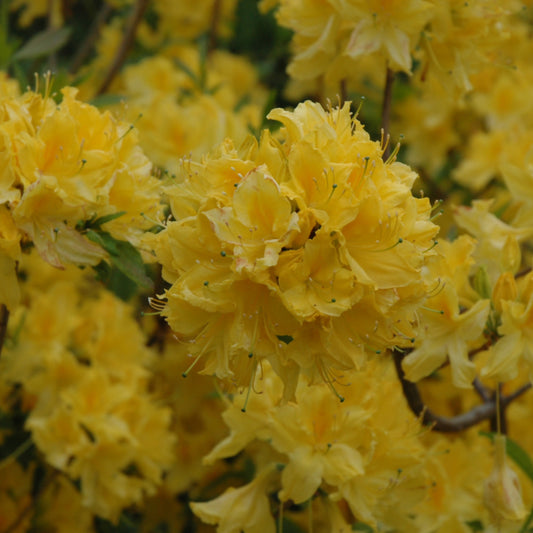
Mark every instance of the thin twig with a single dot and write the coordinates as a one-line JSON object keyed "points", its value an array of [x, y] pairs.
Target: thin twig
{"points": [[343, 91], [450, 424], [213, 26], [386, 111], [88, 44], [52, 58], [129, 36], [485, 393], [4, 317]]}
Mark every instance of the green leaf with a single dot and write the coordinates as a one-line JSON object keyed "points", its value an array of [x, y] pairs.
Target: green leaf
{"points": [[100, 221], [516, 453], [130, 263], [124, 256], [44, 43], [104, 240], [119, 284]]}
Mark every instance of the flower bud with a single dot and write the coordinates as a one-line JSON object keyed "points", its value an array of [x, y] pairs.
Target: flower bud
{"points": [[504, 289], [503, 494]]}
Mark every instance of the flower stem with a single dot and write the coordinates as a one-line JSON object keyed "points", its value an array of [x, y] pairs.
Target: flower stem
{"points": [[94, 32], [452, 424], [129, 36], [213, 26], [386, 111]]}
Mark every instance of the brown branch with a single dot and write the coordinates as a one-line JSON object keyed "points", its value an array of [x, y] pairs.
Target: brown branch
{"points": [[385, 112], [344, 91], [88, 44], [213, 26], [129, 36], [4, 317], [450, 424]]}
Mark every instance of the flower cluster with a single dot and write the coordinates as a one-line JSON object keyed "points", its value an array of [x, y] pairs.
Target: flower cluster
{"points": [[306, 251], [84, 373]]}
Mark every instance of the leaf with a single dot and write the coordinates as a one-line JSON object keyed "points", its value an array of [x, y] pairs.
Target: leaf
{"points": [[130, 263], [516, 453], [107, 218], [104, 240], [115, 281], [124, 256], [44, 43]]}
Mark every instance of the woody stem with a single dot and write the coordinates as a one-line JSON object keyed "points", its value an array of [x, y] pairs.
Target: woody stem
{"points": [[450, 424], [386, 111]]}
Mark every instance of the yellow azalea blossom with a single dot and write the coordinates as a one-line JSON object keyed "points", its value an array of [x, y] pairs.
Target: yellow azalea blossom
{"points": [[245, 509], [85, 364], [516, 342], [463, 38], [391, 27], [34, 9], [259, 223], [503, 494], [276, 239], [351, 450], [328, 35], [170, 127], [448, 334], [73, 163], [497, 242]]}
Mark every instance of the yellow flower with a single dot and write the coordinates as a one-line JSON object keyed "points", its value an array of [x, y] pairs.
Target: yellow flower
{"points": [[177, 116], [349, 449], [391, 27], [503, 494], [258, 224], [34, 9], [497, 242], [75, 163], [447, 337], [317, 230], [451, 320], [516, 342], [86, 364], [246, 509]]}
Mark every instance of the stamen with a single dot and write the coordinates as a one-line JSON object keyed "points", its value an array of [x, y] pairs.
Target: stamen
{"points": [[438, 311], [250, 386], [156, 303], [431, 247]]}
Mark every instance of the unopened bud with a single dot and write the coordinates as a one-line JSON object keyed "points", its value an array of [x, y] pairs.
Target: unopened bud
{"points": [[511, 254], [504, 289], [503, 494], [482, 282]]}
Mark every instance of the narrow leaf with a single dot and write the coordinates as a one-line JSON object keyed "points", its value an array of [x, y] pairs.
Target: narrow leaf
{"points": [[44, 43], [100, 221], [104, 240], [130, 263]]}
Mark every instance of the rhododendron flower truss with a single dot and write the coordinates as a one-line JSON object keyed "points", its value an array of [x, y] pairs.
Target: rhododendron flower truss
{"points": [[306, 251]]}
